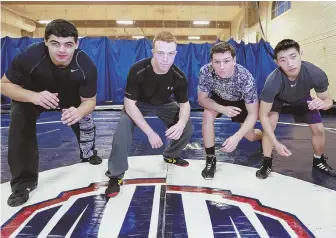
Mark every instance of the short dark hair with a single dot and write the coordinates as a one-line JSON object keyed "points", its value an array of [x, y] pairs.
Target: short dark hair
{"points": [[285, 45], [222, 47], [61, 28]]}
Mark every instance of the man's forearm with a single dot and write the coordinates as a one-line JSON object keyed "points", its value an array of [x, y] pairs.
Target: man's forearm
{"points": [[209, 104], [184, 113], [16, 92], [267, 128], [248, 124], [86, 107], [135, 114]]}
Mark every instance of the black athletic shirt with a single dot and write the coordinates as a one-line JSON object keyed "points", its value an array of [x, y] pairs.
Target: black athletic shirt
{"points": [[144, 85], [33, 70]]}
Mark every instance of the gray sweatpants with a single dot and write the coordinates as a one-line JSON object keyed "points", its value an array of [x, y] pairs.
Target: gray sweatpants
{"points": [[122, 139]]}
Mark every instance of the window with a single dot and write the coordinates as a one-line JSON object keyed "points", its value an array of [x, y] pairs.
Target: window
{"points": [[279, 7]]}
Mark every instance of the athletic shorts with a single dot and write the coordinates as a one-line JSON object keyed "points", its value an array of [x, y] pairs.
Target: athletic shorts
{"points": [[240, 104], [299, 109]]}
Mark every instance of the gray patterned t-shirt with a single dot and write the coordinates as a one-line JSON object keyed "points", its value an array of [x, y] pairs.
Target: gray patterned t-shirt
{"points": [[240, 86]]}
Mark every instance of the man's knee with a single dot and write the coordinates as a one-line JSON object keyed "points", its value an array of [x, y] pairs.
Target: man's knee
{"points": [[209, 116], [22, 110], [124, 130], [22, 120], [317, 129], [86, 122], [250, 136]]}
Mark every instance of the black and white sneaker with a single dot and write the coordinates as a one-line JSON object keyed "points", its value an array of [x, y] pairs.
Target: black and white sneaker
{"points": [[210, 167], [321, 165], [265, 169]]}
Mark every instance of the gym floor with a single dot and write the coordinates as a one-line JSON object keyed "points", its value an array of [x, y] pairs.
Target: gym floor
{"points": [[157, 199]]}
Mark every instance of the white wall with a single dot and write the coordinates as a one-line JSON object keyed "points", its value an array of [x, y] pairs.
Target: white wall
{"points": [[313, 26], [10, 31]]}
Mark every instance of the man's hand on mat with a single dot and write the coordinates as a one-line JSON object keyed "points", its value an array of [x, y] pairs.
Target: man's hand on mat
{"points": [[282, 150], [154, 140], [315, 104], [71, 116], [230, 111], [46, 99], [230, 144], [175, 132]]}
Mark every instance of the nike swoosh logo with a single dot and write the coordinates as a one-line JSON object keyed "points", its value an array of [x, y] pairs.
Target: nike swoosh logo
{"points": [[73, 70]]}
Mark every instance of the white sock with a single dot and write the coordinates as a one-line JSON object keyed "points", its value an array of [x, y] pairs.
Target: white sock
{"points": [[317, 157]]}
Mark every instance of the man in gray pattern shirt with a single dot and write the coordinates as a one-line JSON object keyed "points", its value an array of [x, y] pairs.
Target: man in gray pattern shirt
{"points": [[226, 87], [290, 84]]}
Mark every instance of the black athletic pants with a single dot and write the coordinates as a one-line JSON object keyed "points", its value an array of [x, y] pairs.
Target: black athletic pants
{"points": [[23, 154]]}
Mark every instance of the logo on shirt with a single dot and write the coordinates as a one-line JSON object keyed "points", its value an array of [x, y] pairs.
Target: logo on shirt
{"points": [[73, 70], [293, 85]]}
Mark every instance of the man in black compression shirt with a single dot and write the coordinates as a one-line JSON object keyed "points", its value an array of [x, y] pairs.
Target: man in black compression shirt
{"points": [[49, 75], [150, 84], [290, 84]]}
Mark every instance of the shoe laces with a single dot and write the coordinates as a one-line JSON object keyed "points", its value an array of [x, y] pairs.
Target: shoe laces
{"points": [[171, 160], [209, 163], [115, 181], [266, 164], [324, 161]]}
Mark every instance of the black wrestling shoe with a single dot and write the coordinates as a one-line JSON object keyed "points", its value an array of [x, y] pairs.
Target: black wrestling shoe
{"points": [[20, 196], [113, 188], [321, 165], [210, 167], [94, 159], [265, 169], [176, 161]]}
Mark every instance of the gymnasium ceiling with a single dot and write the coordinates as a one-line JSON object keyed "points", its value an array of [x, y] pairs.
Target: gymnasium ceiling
{"points": [[98, 18]]}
